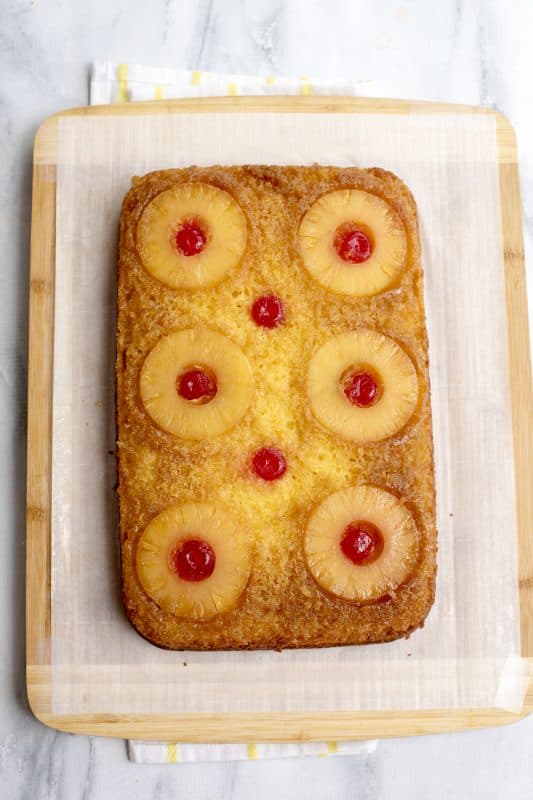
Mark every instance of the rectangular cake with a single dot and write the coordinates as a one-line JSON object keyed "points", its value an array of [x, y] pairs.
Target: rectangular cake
{"points": [[275, 459]]}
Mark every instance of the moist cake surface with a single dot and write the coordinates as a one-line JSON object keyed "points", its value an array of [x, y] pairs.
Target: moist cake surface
{"points": [[276, 483]]}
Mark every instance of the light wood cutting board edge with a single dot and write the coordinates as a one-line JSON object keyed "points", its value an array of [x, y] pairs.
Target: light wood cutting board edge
{"points": [[320, 726]]}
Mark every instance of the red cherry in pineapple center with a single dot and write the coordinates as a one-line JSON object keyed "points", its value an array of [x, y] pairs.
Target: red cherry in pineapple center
{"points": [[361, 542], [193, 560], [190, 238], [352, 244], [196, 385], [362, 389], [269, 463], [268, 311]]}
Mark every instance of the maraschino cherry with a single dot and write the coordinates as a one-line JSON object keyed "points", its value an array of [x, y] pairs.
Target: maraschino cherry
{"points": [[196, 385], [269, 463], [362, 389], [268, 312], [352, 244], [362, 542], [193, 560], [190, 239]]}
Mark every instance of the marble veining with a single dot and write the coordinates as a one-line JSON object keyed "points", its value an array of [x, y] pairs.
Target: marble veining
{"points": [[450, 50]]}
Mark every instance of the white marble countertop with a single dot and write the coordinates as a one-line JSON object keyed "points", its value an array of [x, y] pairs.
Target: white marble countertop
{"points": [[449, 50]]}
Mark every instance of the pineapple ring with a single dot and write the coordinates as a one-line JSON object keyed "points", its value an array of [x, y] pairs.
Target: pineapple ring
{"points": [[206, 598], [172, 356], [398, 386], [333, 571], [387, 259], [225, 228]]}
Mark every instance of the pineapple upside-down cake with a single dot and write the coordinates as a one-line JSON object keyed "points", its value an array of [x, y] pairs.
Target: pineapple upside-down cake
{"points": [[275, 458]]}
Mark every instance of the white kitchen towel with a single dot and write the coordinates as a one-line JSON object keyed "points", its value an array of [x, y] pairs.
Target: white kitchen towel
{"points": [[182, 753], [122, 83]]}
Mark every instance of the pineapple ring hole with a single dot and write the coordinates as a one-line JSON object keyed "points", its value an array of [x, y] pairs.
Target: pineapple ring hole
{"points": [[353, 242], [192, 559], [197, 383], [361, 385], [362, 542], [190, 236]]}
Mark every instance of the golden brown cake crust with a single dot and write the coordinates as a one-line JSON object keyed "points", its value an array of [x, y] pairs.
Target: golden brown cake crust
{"points": [[282, 605]]}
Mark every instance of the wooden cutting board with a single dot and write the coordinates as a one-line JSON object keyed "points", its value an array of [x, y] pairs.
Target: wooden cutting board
{"points": [[264, 726]]}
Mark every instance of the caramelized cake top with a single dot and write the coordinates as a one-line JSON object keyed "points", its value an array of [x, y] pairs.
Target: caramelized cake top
{"points": [[274, 429]]}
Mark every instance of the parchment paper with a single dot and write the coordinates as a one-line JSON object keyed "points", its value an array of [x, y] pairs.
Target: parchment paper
{"points": [[467, 655]]}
